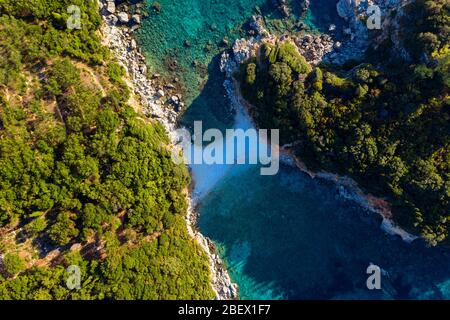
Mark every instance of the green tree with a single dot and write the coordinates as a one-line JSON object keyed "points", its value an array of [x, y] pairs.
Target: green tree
{"points": [[13, 264]]}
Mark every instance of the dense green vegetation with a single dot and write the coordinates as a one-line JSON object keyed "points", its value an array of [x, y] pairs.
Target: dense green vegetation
{"points": [[85, 178], [385, 122]]}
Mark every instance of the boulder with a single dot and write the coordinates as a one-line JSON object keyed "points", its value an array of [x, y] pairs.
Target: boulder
{"points": [[112, 20], [174, 99], [133, 44], [136, 19], [111, 7], [225, 42], [123, 17]]}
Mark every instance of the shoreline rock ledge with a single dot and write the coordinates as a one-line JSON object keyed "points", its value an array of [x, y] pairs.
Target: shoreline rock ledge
{"points": [[117, 35]]}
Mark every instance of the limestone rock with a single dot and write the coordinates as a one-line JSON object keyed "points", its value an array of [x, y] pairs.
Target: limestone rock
{"points": [[123, 17], [136, 19], [314, 47], [257, 24], [111, 7], [161, 93]]}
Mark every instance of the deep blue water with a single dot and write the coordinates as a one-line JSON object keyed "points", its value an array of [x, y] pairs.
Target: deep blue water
{"points": [[285, 236]]}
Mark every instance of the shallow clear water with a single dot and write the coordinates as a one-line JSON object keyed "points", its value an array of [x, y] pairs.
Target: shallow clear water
{"points": [[191, 31], [285, 236]]}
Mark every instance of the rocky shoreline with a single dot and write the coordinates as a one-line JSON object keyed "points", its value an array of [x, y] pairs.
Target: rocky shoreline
{"points": [[349, 190], [244, 49], [160, 101], [347, 187]]}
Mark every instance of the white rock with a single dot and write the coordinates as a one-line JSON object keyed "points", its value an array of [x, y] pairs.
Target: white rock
{"points": [[111, 7], [136, 18], [175, 100], [123, 17]]}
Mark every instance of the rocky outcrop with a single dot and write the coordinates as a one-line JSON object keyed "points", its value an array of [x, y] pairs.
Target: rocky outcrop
{"points": [[314, 47], [356, 31], [257, 26], [391, 26], [220, 279], [123, 12], [283, 7], [130, 57], [242, 50]]}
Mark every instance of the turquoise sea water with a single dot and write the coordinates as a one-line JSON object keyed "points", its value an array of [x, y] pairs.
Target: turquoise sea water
{"points": [[291, 237], [285, 236]]}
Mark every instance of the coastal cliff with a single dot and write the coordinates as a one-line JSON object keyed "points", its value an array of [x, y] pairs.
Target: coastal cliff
{"points": [[359, 37]]}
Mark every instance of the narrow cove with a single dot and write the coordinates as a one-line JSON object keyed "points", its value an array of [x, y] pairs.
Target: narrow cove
{"points": [[286, 236]]}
